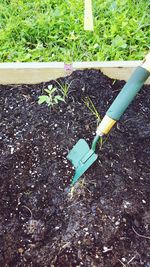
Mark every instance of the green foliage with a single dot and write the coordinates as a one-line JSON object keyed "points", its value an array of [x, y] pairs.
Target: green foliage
{"points": [[52, 98], [52, 30]]}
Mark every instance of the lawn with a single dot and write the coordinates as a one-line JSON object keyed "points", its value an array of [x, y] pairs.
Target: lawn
{"points": [[52, 30]]}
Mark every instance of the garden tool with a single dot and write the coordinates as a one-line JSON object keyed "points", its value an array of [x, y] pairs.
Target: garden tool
{"points": [[81, 155]]}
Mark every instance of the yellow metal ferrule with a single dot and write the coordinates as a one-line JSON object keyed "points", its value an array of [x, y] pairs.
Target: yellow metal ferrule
{"points": [[105, 126], [146, 62]]}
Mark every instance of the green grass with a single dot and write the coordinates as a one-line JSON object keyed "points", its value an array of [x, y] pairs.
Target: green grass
{"points": [[52, 30]]}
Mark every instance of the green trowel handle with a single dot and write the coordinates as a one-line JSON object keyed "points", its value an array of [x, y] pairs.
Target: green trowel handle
{"points": [[127, 94]]}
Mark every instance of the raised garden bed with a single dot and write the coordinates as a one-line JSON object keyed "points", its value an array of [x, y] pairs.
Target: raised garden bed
{"points": [[105, 220]]}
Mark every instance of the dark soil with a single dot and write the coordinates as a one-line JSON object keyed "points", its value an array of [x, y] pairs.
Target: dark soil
{"points": [[105, 220]]}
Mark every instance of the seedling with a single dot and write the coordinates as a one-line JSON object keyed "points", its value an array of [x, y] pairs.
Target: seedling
{"points": [[90, 105], [64, 88], [52, 98]]}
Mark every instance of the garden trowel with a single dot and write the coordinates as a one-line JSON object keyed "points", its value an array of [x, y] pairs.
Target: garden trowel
{"points": [[81, 155]]}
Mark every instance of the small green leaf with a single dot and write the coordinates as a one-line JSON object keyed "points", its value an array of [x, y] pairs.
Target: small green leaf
{"points": [[42, 99], [118, 41], [59, 98], [47, 91], [49, 101], [52, 91]]}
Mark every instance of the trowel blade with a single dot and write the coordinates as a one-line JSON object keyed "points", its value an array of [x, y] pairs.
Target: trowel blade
{"points": [[83, 167], [82, 157]]}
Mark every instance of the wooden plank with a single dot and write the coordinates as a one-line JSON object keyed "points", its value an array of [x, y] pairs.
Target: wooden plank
{"points": [[88, 16], [32, 73]]}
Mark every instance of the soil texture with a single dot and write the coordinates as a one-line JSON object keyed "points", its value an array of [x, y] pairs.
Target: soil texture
{"points": [[104, 221]]}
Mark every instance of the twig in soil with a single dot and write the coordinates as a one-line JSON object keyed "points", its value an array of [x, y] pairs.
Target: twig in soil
{"points": [[122, 263], [66, 245], [68, 126], [125, 265], [131, 259], [74, 204], [31, 215], [73, 100], [19, 202], [147, 237]]}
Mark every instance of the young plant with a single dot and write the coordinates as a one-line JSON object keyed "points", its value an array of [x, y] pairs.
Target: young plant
{"points": [[64, 89], [52, 98], [90, 105]]}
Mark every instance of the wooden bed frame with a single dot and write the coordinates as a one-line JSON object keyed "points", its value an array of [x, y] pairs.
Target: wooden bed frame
{"points": [[32, 73]]}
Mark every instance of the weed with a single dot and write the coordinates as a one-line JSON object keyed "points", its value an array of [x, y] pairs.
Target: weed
{"points": [[52, 98], [90, 105], [64, 89]]}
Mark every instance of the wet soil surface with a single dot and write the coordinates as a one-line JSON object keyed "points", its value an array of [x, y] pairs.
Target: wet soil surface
{"points": [[105, 220]]}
